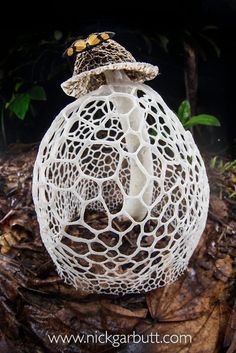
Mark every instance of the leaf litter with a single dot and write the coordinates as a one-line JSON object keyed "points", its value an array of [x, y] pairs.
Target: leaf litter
{"points": [[35, 302]]}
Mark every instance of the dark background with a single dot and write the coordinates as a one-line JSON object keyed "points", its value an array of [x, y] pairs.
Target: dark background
{"points": [[29, 37]]}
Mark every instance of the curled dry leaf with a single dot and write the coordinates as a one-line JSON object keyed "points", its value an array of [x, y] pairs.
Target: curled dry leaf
{"points": [[15, 227]]}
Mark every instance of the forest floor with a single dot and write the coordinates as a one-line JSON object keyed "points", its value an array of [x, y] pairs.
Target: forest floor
{"points": [[35, 302]]}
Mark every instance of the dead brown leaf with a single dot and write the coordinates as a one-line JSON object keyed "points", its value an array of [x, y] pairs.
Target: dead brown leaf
{"points": [[119, 310], [203, 334], [219, 208], [230, 334]]}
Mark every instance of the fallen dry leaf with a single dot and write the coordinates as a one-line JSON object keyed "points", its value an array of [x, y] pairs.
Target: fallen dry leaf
{"points": [[230, 334], [219, 207], [204, 333]]}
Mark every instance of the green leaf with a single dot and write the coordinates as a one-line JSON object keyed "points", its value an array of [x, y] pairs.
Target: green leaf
{"points": [[232, 195], [221, 164], [58, 35], [37, 93], [213, 162], [18, 85], [202, 119], [184, 111], [20, 105], [229, 165]]}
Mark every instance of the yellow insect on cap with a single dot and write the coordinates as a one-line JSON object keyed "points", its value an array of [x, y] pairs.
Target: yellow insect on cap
{"points": [[70, 51], [80, 45], [105, 36], [93, 39]]}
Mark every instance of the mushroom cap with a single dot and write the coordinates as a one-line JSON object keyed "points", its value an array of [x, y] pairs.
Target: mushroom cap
{"points": [[90, 66]]}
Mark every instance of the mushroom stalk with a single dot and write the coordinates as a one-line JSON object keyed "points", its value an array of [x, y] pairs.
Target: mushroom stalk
{"points": [[141, 167]]}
